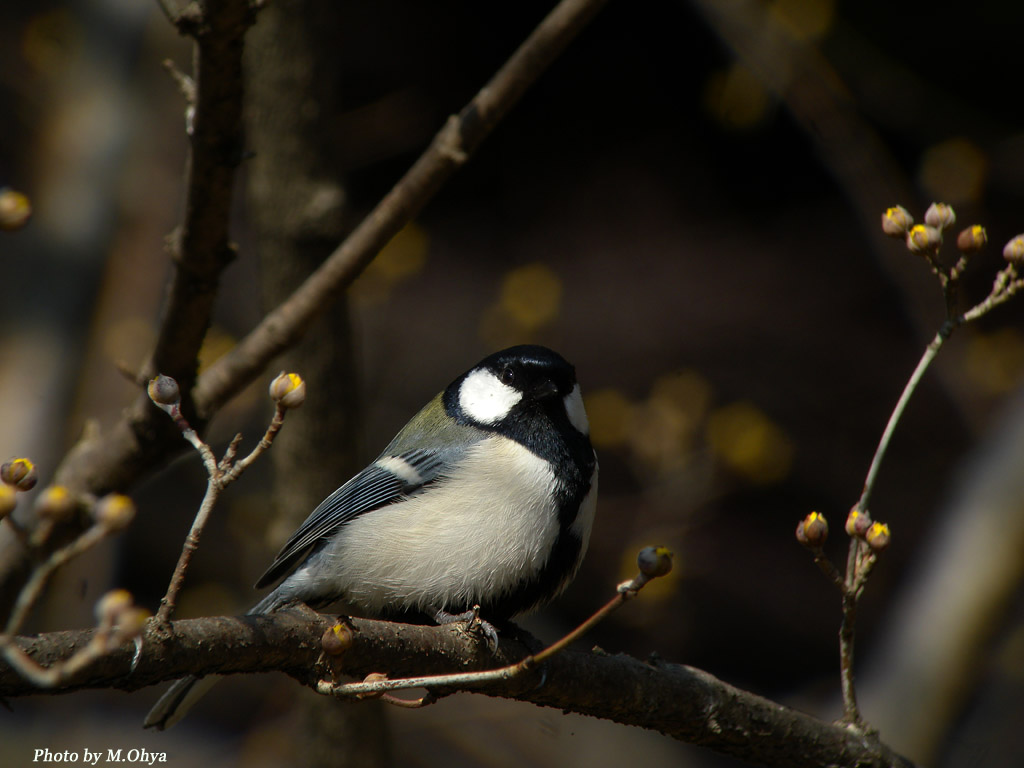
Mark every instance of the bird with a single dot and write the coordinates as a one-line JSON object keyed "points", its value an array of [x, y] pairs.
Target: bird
{"points": [[480, 507]]}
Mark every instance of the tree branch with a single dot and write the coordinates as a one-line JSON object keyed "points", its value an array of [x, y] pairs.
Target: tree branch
{"points": [[679, 701]]}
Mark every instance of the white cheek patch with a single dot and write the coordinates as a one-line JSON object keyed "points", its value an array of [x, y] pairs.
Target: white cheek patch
{"points": [[485, 399], [575, 411]]}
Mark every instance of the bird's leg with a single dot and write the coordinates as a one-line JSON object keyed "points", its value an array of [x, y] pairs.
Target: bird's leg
{"points": [[473, 624]]}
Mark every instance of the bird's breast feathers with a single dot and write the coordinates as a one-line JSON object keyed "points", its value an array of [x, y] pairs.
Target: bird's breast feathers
{"points": [[480, 531]]}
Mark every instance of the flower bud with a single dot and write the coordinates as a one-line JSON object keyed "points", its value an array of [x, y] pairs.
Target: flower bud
{"points": [[857, 523], [15, 210], [972, 239], [55, 503], [336, 640], [1013, 252], [288, 390], [896, 221], [654, 561], [812, 531], [131, 622], [8, 500], [21, 473], [114, 511], [110, 607], [163, 390], [923, 238], [877, 537], [940, 216]]}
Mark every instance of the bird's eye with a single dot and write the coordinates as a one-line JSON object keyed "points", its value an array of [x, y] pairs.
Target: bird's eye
{"points": [[508, 375]]}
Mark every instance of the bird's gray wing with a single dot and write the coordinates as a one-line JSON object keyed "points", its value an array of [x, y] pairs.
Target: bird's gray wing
{"points": [[389, 479]]}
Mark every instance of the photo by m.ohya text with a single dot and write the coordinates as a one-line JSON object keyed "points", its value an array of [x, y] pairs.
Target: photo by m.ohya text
{"points": [[109, 756]]}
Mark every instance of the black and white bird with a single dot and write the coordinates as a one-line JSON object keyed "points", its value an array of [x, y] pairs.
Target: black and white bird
{"points": [[485, 498]]}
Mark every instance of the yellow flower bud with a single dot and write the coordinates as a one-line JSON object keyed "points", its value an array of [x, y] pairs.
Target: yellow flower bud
{"points": [[857, 523], [288, 390], [940, 216], [654, 561], [972, 239], [163, 390], [1013, 252], [877, 536], [15, 210], [114, 603], [131, 622], [336, 640], [896, 221], [114, 511], [8, 500], [812, 531], [20, 473], [923, 238], [55, 503]]}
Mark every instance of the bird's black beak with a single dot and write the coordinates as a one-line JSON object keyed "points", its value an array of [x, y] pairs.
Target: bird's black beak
{"points": [[546, 390]]}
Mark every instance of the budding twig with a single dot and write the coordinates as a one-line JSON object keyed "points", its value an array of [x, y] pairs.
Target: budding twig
{"points": [[867, 538], [288, 391]]}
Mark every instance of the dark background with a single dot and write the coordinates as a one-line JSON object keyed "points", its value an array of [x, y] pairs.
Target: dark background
{"points": [[706, 253]]}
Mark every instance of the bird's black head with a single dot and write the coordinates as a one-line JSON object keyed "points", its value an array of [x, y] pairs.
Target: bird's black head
{"points": [[516, 383]]}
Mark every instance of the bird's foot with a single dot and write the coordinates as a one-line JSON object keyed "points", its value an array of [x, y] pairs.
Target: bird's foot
{"points": [[474, 624]]}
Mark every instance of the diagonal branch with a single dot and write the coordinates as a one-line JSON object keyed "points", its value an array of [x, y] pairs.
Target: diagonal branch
{"points": [[461, 135]]}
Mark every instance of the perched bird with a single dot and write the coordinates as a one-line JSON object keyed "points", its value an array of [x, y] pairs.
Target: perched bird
{"points": [[485, 498]]}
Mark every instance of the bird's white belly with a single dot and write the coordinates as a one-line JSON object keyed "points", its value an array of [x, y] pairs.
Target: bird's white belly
{"points": [[448, 549]]}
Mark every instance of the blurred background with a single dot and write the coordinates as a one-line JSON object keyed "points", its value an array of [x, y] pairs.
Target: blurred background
{"points": [[687, 207]]}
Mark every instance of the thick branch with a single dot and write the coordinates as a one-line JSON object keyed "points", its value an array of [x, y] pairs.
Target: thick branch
{"points": [[682, 702]]}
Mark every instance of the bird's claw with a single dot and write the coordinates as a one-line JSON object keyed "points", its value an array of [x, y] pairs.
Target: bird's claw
{"points": [[474, 624]]}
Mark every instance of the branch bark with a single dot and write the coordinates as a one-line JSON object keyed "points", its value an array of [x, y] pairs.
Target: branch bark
{"points": [[679, 701]]}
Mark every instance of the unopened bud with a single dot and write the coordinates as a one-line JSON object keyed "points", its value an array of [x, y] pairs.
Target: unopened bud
{"points": [[857, 523], [8, 500], [114, 603], [131, 622], [896, 221], [1013, 252], [15, 210], [972, 239], [55, 503], [163, 390], [288, 390], [940, 216], [654, 561], [336, 640], [812, 531], [877, 536], [20, 473], [923, 238], [114, 511]]}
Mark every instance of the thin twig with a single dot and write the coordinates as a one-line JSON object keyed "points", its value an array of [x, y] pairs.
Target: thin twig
{"points": [[883, 444], [220, 475], [169, 600]]}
